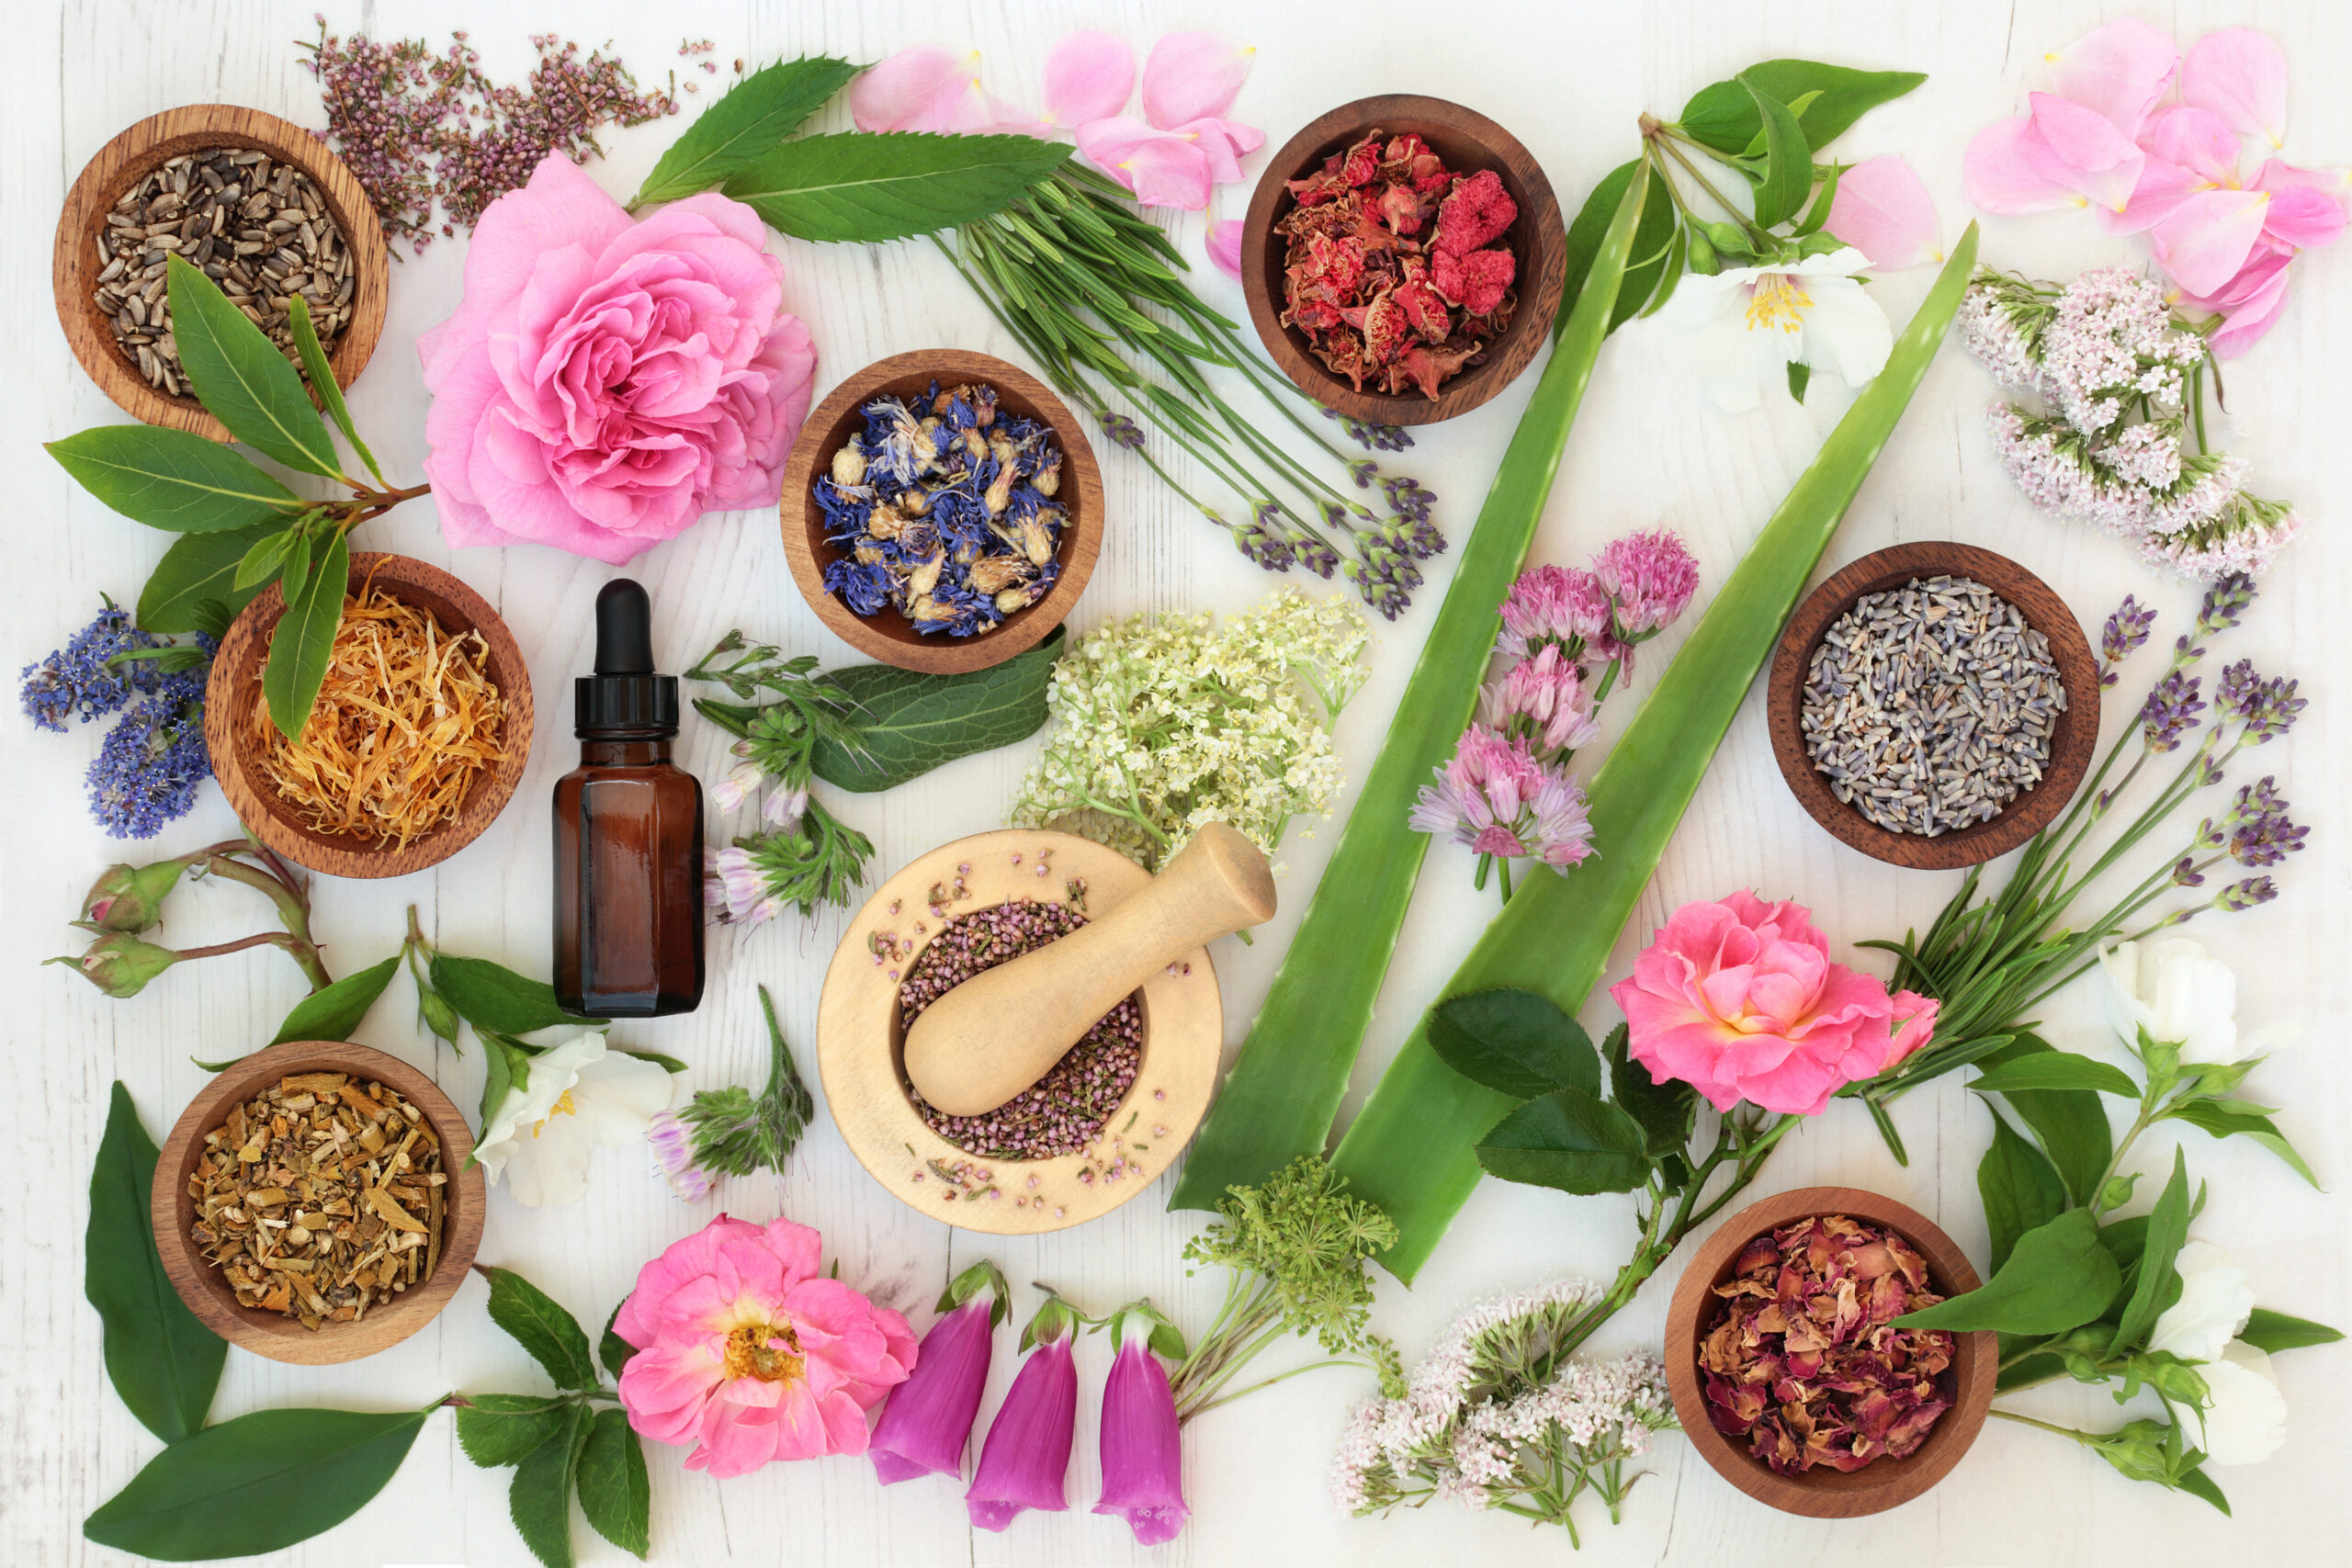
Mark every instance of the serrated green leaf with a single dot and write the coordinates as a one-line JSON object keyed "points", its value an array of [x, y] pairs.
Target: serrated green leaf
{"points": [[1788, 159], [334, 1012], [499, 1430], [1570, 1140], [2057, 1277], [2275, 1331], [862, 188], [540, 1498], [192, 587], [2071, 1124], [258, 1484], [163, 1363], [303, 640], [551, 1335], [1514, 1043], [1723, 115], [2158, 1285], [612, 1349], [2235, 1118], [322, 381], [1666, 1111], [755, 114], [614, 1491], [173, 480], [490, 996], [909, 722], [2020, 1188], [241, 378], [2056, 1069]]}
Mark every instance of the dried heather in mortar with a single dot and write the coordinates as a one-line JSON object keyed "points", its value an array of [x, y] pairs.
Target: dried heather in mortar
{"points": [[1062, 1113]]}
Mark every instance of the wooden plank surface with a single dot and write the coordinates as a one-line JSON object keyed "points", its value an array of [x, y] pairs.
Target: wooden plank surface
{"points": [[1568, 79]]}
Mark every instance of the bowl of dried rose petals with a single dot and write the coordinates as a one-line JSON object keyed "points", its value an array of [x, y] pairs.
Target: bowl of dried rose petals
{"points": [[1788, 1372], [1403, 258]]}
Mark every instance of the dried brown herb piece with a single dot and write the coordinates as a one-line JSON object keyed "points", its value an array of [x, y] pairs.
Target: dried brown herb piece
{"points": [[321, 1197]]}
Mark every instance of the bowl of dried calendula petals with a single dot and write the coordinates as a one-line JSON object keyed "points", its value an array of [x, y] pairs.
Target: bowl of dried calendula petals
{"points": [[317, 1202]]}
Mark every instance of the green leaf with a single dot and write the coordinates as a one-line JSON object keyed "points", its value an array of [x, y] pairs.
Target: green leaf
{"points": [[303, 640], [909, 722], [2056, 1069], [1515, 1043], [194, 587], [242, 380], [1666, 1110], [1652, 243], [263, 563], [2275, 1331], [756, 113], [1570, 1140], [2057, 1276], [492, 997], [2231, 1118], [614, 1492], [2125, 1238], [1725, 117], [498, 1077], [2197, 1484], [2020, 1188], [1591, 224], [163, 1363], [1799, 378], [667, 1064], [551, 1335], [1677, 257], [1823, 200], [861, 188], [173, 480], [2071, 1124], [334, 1014], [2158, 1283], [258, 1484], [614, 1350], [499, 1430], [1788, 159], [322, 381], [539, 1498]]}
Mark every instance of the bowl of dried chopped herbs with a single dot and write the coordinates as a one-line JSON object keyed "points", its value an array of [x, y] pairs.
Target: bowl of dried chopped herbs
{"points": [[1403, 257], [317, 1202], [1789, 1370], [942, 511]]}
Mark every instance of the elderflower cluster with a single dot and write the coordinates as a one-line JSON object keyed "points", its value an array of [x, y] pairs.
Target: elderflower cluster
{"points": [[2120, 375], [1162, 723], [1501, 1414]]}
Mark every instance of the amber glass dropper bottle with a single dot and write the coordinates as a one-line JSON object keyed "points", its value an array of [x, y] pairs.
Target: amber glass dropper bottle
{"points": [[627, 834]]}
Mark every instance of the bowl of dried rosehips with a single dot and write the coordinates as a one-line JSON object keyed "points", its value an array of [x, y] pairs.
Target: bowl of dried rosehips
{"points": [[1792, 1371], [1403, 258]]}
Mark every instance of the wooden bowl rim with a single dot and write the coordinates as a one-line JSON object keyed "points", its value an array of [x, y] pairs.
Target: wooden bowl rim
{"points": [[1184, 1034], [1540, 241], [127, 158], [230, 689], [886, 636], [199, 1282], [2071, 742], [1820, 1493]]}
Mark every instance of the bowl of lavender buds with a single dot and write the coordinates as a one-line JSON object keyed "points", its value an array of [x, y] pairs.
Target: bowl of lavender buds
{"points": [[942, 511], [1934, 705]]}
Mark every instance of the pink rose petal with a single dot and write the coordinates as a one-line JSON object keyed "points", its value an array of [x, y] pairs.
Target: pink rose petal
{"points": [[2105, 162], [2011, 171], [1883, 210], [2334, 184], [1163, 169], [924, 88], [2195, 139], [1193, 76], [2241, 75], [2245, 322], [1224, 246], [2302, 218], [2162, 187], [1225, 144], [2117, 71], [2208, 237], [1089, 76]]}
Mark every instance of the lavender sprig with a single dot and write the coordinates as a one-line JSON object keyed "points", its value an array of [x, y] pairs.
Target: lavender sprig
{"points": [[2125, 633]]}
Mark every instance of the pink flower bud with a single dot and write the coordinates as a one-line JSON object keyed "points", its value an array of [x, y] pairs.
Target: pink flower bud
{"points": [[1027, 1457], [1143, 1459]]}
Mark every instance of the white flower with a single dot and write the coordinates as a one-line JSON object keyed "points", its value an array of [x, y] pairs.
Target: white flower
{"points": [[2215, 1302], [1750, 323], [2244, 1421], [2181, 995], [579, 1095]]}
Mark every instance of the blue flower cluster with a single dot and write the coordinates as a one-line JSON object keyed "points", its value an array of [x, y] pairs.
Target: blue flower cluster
{"points": [[150, 762], [75, 682], [944, 511]]}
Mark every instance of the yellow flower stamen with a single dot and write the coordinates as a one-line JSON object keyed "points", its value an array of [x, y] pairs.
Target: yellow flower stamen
{"points": [[1778, 299], [562, 1107], [765, 1351]]}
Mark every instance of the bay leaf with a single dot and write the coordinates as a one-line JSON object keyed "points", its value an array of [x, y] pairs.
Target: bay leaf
{"points": [[161, 1358]]}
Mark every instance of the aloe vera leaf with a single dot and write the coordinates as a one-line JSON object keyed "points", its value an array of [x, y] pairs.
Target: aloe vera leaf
{"points": [[1279, 1102], [1410, 1149]]}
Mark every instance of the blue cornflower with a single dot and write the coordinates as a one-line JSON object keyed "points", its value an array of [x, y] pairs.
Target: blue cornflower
{"points": [[149, 766], [75, 680], [865, 589]]}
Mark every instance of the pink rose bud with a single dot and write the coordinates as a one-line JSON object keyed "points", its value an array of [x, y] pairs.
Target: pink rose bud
{"points": [[129, 897], [120, 964]]}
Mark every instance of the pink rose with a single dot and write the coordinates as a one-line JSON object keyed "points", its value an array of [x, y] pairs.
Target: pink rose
{"points": [[606, 382], [1740, 1000]]}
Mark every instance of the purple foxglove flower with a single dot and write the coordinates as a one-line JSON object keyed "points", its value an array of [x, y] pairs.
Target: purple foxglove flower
{"points": [[929, 1417], [1027, 1457], [1142, 1451]]}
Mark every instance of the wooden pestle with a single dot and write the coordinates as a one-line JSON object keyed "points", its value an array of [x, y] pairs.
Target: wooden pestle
{"points": [[1002, 1029]]}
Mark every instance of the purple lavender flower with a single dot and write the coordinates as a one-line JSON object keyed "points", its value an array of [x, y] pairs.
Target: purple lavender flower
{"points": [[929, 1417], [2124, 635], [2240, 896], [1371, 437], [2170, 711], [1408, 498], [2225, 600], [2267, 841], [1649, 578], [1317, 557], [2186, 874], [2271, 711], [150, 765], [1142, 1448], [2237, 690], [1025, 1462], [75, 682], [1123, 430]]}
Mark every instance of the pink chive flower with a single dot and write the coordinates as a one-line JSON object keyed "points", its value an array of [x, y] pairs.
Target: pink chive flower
{"points": [[1142, 1451], [1025, 1462], [1543, 699], [1649, 578], [1554, 603], [1498, 799], [929, 1417], [746, 1351]]}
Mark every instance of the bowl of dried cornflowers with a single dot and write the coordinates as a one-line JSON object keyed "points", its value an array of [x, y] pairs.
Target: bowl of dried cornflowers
{"points": [[942, 511]]}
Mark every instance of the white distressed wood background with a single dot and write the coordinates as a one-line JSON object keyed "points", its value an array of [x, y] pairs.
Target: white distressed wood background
{"points": [[1569, 79]]}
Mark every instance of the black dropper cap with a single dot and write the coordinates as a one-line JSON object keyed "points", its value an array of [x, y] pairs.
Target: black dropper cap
{"points": [[625, 699]]}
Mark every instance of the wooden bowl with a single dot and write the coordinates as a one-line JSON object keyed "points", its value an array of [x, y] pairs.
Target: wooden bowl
{"points": [[128, 159], [235, 687], [2071, 744], [861, 1042], [199, 1281], [1823, 1492], [889, 637], [1468, 142]]}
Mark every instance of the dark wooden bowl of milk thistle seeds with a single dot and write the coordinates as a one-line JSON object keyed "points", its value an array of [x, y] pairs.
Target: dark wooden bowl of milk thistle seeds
{"points": [[260, 204], [1934, 705]]}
